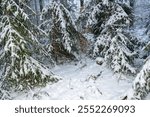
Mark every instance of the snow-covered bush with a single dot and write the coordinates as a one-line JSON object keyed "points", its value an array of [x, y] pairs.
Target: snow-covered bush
{"points": [[17, 41]]}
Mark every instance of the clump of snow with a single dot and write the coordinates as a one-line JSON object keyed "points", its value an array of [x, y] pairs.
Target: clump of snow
{"points": [[99, 60]]}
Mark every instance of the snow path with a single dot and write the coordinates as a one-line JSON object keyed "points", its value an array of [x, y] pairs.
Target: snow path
{"points": [[77, 83]]}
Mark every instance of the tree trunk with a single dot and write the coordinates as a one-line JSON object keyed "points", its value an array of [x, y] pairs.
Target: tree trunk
{"points": [[36, 10], [41, 4], [81, 5]]}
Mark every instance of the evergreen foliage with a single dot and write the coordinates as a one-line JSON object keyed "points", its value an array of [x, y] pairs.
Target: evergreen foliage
{"points": [[28, 45], [64, 37], [141, 85], [17, 40], [108, 21]]}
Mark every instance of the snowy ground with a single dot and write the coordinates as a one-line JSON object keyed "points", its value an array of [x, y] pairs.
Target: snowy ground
{"points": [[79, 82]]}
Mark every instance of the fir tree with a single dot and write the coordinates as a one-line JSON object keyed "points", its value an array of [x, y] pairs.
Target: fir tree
{"points": [[119, 55], [84, 14], [64, 37], [141, 84], [92, 7], [17, 41], [108, 21]]}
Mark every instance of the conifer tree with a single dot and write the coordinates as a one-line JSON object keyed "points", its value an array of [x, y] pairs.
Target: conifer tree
{"points": [[20, 69], [141, 85], [84, 15], [108, 21], [64, 37]]}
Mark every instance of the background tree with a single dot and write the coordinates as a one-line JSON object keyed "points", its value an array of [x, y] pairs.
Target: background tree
{"points": [[81, 5]]}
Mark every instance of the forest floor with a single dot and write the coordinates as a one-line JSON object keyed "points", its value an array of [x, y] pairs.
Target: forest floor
{"points": [[83, 80]]}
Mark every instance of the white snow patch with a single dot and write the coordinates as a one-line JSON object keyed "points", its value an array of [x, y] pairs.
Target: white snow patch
{"points": [[82, 81]]}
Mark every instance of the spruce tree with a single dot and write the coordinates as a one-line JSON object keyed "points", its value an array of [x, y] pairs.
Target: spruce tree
{"points": [[64, 37], [141, 85], [84, 15], [20, 69], [108, 22]]}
